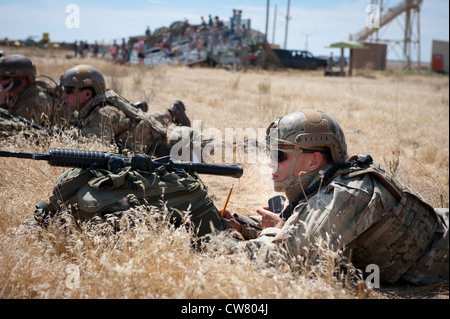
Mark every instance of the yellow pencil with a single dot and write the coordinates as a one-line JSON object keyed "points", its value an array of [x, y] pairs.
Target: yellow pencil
{"points": [[228, 198]]}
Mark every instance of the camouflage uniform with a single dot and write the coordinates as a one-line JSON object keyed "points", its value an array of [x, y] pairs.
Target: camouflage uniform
{"points": [[36, 102], [12, 126], [111, 117], [104, 117], [363, 210]]}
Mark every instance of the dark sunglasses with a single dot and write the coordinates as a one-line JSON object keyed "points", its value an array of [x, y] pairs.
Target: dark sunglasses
{"points": [[16, 82], [278, 156], [69, 90]]}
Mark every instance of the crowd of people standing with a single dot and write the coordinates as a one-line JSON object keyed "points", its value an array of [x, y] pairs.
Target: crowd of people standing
{"points": [[212, 37]]}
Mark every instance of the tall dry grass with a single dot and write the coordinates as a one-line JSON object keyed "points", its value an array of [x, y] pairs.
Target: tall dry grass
{"points": [[401, 120]]}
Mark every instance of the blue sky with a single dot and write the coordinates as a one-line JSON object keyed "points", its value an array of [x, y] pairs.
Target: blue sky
{"points": [[319, 22]]}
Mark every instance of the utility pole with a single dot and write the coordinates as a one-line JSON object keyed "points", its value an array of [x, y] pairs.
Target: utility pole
{"points": [[274, 24], [306, 40], [287, 22], [267, 19]]}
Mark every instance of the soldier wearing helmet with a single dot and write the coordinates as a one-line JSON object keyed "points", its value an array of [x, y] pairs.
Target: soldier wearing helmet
{"points": [[352, 203], [21, 94], [98, 111]]}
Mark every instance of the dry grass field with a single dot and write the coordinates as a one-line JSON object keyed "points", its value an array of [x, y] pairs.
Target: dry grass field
{"points": [[402, 120]]}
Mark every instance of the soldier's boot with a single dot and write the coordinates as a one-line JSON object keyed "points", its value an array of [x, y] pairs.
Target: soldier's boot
{"points": [[178, 113]]}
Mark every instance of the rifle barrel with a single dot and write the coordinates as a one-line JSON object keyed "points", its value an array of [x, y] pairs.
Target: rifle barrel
{"points": [[20, 155], [235, 171], [94, 159]]}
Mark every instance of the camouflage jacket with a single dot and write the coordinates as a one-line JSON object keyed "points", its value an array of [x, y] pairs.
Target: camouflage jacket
{"points": [[12, 126], [114, 119], [37, 103], [366, 211]]}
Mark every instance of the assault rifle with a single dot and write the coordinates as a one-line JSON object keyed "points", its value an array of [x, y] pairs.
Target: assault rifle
{"points": [[103, 160]]}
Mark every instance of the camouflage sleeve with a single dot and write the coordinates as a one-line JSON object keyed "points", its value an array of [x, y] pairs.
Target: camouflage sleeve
{"points": [[249, 232], [106, 123], [164, 117], [9, 127], [338, 214], [33, 104]]}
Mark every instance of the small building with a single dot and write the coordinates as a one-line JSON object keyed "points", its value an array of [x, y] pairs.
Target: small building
{"points": [[374, 58], [439, 56], [353, 46]]}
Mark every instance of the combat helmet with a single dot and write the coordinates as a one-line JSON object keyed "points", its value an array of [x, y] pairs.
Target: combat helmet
{"points": [[82, 76], [16, 65], [305, 131]]}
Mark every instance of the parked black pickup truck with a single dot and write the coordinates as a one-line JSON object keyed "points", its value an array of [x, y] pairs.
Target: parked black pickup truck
{"points": [[298, 59]]}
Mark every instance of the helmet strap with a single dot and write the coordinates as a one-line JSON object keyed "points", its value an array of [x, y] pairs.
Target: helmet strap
{"points": [[77, 107], [299, 186]]}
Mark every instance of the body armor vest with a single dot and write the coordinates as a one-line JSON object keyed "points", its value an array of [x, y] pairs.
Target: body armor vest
{"points": [[402, 235]]}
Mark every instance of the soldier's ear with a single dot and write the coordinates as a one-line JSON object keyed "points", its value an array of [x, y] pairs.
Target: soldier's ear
{"points": [[316, 161], [87, 94]]}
